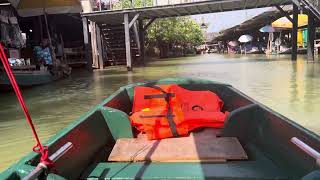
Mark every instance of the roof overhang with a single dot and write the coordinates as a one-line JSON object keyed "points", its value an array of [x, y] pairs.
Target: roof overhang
{"points": [[185, 9]]}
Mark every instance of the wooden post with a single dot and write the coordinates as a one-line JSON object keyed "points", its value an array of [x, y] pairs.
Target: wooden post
{"points": [[100, 55], [127, 41], [41, 29], [294, 33], [62, 49], [47, 28], [95, 62], [87, 45], [53, 54], [104, 48], [311, 36], [141, 34], [136, 35]]}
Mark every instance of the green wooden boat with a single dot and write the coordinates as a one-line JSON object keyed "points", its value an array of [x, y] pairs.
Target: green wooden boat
{"points": [[29, 78], [277, 148]]}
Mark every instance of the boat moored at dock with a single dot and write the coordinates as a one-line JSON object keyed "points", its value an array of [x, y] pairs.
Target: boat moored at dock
{"points": [[32, 77]]}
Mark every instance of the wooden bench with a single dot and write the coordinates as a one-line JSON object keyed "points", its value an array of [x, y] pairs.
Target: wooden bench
{"points": [[203, 146]]}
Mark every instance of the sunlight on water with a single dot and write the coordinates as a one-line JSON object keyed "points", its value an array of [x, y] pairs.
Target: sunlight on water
{"points": [[291, 88]]}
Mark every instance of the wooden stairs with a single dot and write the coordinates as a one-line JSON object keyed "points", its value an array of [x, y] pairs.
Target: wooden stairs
{"points": [[114, 44]]}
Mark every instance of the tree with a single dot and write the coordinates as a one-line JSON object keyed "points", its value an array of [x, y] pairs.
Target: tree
{"points": [[174, 33]]}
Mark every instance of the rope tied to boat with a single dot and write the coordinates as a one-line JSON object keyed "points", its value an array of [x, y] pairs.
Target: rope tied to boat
{"points": [[38, 148]]}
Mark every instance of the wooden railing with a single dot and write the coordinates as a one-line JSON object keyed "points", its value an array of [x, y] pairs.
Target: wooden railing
{"points": [[111, 5]]}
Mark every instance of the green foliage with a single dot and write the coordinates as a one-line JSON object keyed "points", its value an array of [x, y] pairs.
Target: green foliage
{"points": [[175, 32], [127, 4]]}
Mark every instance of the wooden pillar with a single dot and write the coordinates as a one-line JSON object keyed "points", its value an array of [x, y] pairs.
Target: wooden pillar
{"points": [[127, 41], [104, 48], [41, 29], [87, 45], [99, 44], [311, 36], [294, 33], [47, 28], [137, 37], [142, 39], [94, 50], [62, 47]]}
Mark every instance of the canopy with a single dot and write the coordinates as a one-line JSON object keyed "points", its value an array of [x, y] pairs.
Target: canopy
{"points": [[267, 28], [286, 24], [28, 8], [245, 38]]}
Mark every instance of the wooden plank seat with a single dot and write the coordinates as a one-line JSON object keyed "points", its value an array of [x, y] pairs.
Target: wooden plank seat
{"points": [[203, 146]]}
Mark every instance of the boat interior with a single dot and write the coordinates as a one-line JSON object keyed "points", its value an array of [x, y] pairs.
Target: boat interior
{"points": [[260, 147]]}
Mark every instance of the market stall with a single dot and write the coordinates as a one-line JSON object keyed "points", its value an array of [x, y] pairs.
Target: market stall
{"points": [[32, 41]]}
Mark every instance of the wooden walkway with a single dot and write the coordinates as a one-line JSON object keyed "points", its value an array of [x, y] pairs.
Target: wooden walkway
{"points": [[135, 21]]}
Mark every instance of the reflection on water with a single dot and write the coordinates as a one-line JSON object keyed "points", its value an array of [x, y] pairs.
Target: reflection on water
{"points": [[291, 88]]}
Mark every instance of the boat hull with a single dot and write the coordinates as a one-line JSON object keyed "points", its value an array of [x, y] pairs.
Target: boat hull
{"points": [[29, 78], [264, 134]]}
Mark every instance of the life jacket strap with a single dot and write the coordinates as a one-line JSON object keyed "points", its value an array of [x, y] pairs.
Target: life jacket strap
{"points": [[157, 116], [172, 124], [154, 96], [169, 115]]}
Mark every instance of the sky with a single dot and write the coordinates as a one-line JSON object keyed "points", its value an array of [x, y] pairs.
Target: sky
{"points": [[224, 20]]}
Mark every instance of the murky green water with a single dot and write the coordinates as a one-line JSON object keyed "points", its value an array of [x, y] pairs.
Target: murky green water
{"points": [[291, 88]]}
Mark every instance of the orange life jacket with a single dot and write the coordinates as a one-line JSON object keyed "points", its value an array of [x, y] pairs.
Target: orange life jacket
{"points": [[164, 111]]}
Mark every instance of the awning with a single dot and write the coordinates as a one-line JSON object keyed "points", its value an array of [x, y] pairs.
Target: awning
{"points": [[286, 23], [28, 8]]}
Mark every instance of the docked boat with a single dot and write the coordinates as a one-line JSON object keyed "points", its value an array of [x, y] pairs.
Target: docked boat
{"points": [[254, 143], [29, 76]]}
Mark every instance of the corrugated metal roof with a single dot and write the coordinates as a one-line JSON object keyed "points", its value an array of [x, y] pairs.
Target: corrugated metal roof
{"points": [[252, 25], [199, 7]]}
